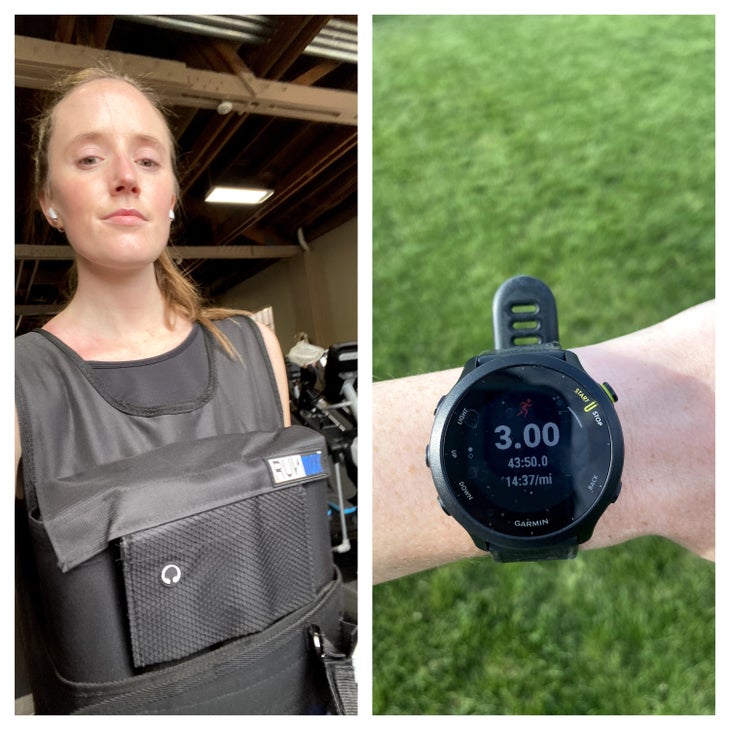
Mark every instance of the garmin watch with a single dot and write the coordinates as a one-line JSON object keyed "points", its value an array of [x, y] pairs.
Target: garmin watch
{"points": [[526, 451]]}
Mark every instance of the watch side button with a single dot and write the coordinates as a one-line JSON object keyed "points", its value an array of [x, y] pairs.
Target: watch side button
{"points": [[618, 491], [427, 462], [438, 405], [446, 512], [610, 392]]}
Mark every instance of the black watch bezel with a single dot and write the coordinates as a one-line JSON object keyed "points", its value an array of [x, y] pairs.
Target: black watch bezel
{"points": [[579, 530]]}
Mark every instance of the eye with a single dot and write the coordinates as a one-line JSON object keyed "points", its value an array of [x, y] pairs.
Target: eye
{"points": [[89, 160], [148, 162]]}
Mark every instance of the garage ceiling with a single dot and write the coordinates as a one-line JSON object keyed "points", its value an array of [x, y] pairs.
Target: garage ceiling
{"points": [[265, 100]]}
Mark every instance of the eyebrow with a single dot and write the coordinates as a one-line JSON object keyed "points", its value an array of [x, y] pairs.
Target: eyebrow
{"points": [[98, 136]]}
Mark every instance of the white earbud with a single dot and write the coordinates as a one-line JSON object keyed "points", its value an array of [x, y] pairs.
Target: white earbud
{"points": [[172, 214], [52, 214]]}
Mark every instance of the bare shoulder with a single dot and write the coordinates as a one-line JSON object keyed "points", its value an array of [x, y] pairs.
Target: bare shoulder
{"points": [[271, 341]]}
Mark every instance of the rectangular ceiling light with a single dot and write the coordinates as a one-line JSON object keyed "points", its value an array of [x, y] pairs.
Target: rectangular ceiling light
{"points": [[238, 196]]}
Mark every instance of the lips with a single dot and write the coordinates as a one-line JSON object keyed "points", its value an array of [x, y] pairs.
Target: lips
{"points": [[125, 217]]}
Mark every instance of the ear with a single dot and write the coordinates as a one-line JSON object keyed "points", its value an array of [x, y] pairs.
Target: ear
{"points": [[45, 201]]}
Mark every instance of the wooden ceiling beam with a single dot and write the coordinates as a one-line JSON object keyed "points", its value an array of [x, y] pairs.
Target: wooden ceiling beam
{"points": [[65, 26], [333, 191], [307, 169], [38, 62], [100, 30], [291, 36], [314, 74], [209, 145]]}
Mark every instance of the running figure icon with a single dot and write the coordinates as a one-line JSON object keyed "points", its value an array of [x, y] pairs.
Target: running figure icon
{"points": [[525, 406]]}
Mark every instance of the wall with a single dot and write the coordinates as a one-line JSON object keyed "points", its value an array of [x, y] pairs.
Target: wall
{"points": [[314, 292]]}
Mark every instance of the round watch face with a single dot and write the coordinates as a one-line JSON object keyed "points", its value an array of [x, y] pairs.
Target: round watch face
{"points": [[528, 450]]}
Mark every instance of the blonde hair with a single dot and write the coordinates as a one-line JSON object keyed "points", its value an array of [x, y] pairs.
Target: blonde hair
{"points": [[180, 294]]}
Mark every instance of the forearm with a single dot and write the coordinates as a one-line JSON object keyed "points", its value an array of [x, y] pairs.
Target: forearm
{"points": [[664, 377]]}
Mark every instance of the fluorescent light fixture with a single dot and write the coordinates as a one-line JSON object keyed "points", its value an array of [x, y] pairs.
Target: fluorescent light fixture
{"points": [[238, 196]]}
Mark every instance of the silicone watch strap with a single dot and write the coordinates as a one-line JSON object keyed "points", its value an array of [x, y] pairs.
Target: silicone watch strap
{"points": [[524, 314], [552, 552]]}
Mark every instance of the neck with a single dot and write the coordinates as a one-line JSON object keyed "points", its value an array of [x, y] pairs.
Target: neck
{"points": [[123, 302], [118, 316]]}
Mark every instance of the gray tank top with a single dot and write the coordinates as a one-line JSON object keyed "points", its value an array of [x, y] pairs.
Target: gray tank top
{"points": [[173, 377], [75, 415]]}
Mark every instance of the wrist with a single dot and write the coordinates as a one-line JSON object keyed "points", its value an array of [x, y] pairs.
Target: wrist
{"points": [[411, 533], [664, 376]]}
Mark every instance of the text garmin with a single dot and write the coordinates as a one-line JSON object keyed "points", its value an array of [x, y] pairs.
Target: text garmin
{"points": [[532, 523]]}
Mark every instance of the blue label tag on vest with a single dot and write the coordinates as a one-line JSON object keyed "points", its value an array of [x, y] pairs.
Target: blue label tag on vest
{"points": [[295, 467]]}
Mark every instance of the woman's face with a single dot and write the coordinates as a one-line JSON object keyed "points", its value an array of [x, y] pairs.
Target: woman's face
{"points": [[110, 178]]}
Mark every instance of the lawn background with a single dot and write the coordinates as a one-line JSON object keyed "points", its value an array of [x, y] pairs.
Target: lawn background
{"points": [[578, 149]]}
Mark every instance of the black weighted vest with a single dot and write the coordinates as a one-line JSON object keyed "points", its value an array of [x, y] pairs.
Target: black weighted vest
{"points": [[172, 558]]}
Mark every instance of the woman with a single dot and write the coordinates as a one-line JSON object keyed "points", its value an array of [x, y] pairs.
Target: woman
{"points": [[105, 174], [138, 411]]}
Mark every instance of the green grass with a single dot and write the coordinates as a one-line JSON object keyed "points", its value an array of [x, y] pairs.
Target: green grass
{"points": [[579, 149], [621, 631], [576, 149]]}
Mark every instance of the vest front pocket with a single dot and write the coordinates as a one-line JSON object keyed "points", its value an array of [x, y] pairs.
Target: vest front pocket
{"points": [[231, 571]]}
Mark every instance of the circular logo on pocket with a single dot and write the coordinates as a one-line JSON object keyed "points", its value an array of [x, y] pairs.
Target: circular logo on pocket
{"points": [[171, 574]]}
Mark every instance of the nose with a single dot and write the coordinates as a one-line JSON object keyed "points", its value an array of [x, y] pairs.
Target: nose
{"points": [[124, 178]]}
